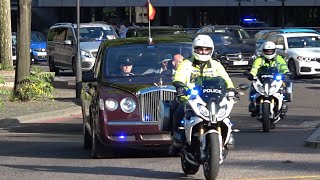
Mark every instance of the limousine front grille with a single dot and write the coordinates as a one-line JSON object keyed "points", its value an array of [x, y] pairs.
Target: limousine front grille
{"points": [[149, 102]]}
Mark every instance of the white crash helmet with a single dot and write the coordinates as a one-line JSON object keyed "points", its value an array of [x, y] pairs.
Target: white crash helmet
{"points": [[202, 41], [269, 50]]}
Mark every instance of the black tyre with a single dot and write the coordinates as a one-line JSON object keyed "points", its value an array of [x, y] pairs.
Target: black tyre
{"points": [[52, 67], [211, 165], [293, 70], [74, 67], [265, 117], [96, 146], [187, 167], [86, 137]]}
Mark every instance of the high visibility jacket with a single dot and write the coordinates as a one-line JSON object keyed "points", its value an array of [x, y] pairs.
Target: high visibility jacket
{"points": [[188, 71], [277, 62]]}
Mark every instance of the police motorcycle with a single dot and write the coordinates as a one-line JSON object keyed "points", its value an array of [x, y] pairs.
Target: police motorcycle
{"points": [[269, 95], [206, 125]]}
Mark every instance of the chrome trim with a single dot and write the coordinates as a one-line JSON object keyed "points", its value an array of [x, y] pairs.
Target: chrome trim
{"points": [[125, 123], [149, 101]]}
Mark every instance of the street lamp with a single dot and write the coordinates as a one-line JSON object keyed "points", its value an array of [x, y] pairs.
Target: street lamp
{"points": [[78, 61]]}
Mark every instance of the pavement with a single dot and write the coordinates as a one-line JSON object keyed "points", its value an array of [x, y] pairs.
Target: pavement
{"points": [[66, 106]]}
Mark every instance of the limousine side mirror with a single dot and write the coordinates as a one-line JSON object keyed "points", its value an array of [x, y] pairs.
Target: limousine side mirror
{"points": [[67, 42]]}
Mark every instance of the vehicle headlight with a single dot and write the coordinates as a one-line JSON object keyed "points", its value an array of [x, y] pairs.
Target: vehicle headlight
{"points": [[272, 89], [204, 111], [85, 54], [306, 59], [128, 105], [260, 89], [222, 111], [111, 104]]}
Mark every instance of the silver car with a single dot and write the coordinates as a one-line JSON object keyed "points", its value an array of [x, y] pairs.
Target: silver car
{"points": [[62, 44]]}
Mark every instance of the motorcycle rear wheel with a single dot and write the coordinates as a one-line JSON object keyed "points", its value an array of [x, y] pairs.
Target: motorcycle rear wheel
{"points": [[211, 165], [188, 168], [265, 117]]}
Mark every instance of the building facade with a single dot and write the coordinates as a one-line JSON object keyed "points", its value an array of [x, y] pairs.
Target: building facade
{"points": [[188, 13]]}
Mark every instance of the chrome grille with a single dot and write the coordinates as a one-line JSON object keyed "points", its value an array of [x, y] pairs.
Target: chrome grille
{"points": [[149, 101], [239, 56]]}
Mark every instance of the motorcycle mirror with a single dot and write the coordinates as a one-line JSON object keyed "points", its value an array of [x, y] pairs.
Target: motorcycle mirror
{"points": [[243, 86]]}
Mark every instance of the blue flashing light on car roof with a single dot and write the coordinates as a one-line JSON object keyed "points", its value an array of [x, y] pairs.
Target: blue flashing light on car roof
{"points": [[249, 20]]}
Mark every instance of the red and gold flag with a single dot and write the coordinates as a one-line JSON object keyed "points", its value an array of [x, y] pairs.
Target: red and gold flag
{"points": [[151, 11]]}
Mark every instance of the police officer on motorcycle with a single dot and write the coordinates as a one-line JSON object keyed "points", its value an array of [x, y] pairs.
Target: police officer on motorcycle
{"points": [[199, 65], [270, 59]]}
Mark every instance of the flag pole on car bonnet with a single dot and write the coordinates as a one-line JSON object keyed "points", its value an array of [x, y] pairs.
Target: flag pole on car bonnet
{"points": [[151, 13]]}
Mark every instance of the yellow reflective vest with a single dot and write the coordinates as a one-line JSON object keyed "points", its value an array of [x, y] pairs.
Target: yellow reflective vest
{"points": [[188, 71], [277, 62]]}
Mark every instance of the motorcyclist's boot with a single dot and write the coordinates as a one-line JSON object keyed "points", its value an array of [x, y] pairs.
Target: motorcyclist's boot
{"points": [[231, 140], [284, 110]]}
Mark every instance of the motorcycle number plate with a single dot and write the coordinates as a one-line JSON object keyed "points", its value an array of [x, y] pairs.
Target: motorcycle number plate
{"points": [[240, 62]]}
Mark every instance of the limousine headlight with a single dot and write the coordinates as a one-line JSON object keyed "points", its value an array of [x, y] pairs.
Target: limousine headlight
{"points": [[128, 105], [111, 104]]}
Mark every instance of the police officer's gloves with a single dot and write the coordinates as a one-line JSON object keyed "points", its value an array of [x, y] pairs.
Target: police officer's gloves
{"points": [[181, 91], [250, 77]]}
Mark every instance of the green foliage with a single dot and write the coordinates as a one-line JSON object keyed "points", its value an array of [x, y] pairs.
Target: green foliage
{"points": [[5, 67], [36, 86], [2, 92]]}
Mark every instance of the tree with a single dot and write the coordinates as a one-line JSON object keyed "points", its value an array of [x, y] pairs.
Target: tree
{"points": [[5, 34], [23, 43]]}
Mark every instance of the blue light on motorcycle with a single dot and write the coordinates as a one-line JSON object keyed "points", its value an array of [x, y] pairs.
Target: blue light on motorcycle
{"points": [[278, 77], [253, 96], [194, 92], [182, 121]]}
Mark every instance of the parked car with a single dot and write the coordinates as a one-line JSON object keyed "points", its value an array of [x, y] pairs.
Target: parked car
{"points": [[136, 31], [231, 51], [14, 46], [301, 51], [38, 46], [261, 36], [122, 110], [62, 44], [237, 30], [14, 49]]}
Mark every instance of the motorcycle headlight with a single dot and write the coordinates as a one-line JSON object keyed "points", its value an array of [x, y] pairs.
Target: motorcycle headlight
{"points": [[204, 111], [128, 105], [273, 89], [260, 89], [222, 111], [111, 104]]}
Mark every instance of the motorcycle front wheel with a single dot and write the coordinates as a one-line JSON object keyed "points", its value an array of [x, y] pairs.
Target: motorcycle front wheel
{"points": [[211, 164], [265, 117]]}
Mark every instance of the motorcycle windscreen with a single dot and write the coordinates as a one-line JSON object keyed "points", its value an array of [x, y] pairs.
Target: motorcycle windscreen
{"points": [[211, 88], [266, 74]]}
